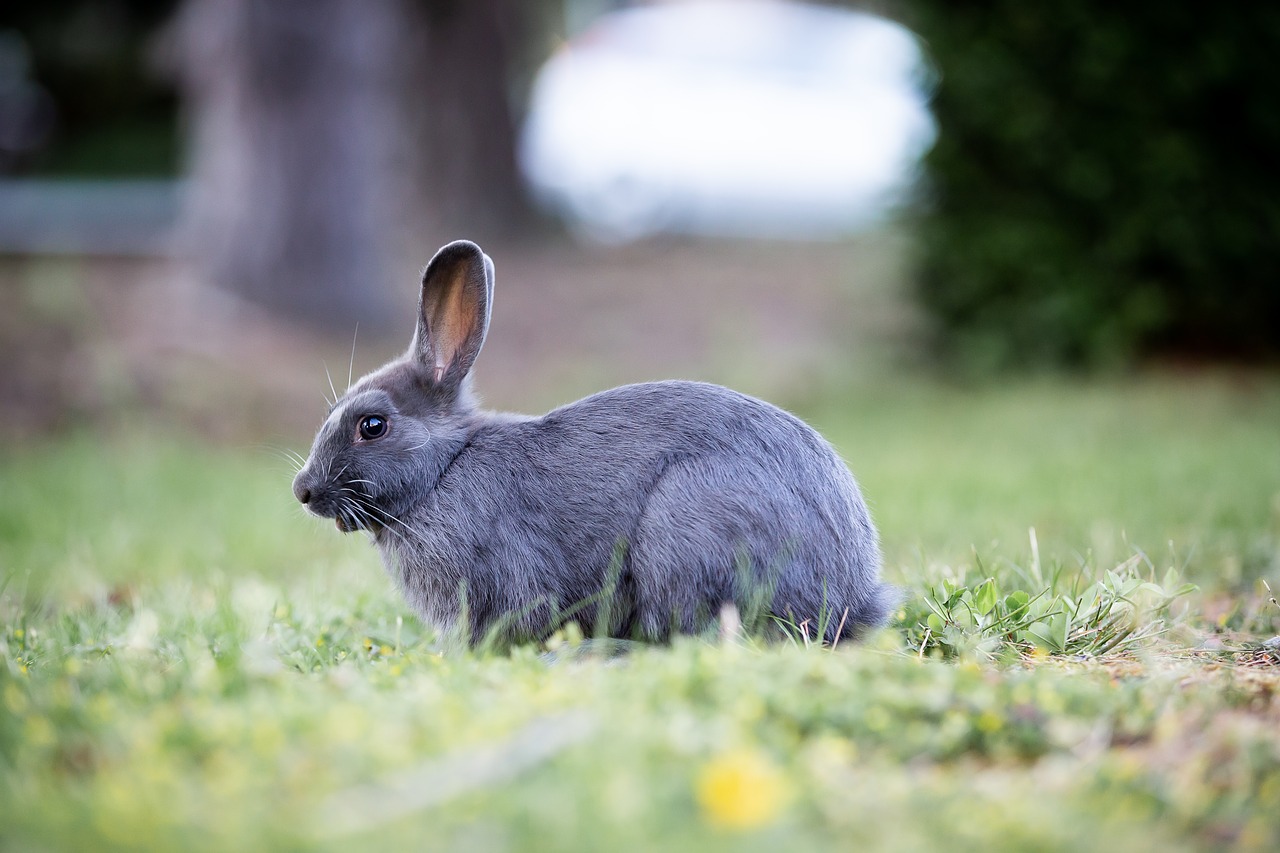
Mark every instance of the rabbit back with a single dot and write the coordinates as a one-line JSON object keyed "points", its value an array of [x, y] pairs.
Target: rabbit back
{"points": [[748, 504]]}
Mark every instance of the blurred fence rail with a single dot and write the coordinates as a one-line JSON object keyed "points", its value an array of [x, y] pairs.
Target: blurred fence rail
{"points": [[121, 217]]}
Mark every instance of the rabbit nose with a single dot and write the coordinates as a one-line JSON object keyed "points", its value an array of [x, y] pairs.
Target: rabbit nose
{"points": [[301, 490]]}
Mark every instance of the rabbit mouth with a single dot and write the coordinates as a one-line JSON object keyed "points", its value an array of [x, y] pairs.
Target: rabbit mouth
{"points": [[348, 517], [351, 517], [350, 522]]}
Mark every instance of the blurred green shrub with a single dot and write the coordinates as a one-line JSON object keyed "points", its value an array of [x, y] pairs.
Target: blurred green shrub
{"points": [[100, 63], [1104, 186]]}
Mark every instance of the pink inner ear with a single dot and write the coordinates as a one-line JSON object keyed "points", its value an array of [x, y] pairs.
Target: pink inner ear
{"points": [[451, 321]]}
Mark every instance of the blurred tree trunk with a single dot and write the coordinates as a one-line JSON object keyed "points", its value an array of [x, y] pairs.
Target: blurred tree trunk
{"points": [[324, 133], [459, 89]]}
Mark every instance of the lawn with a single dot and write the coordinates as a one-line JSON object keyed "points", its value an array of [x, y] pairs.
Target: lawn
{"points": [[189, 662]]}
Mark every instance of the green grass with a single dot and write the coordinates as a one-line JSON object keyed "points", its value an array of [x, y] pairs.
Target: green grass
{"points": [[188, 662]]}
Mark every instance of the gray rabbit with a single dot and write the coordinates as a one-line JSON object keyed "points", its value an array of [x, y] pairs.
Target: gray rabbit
{"points": [[638, 512]]}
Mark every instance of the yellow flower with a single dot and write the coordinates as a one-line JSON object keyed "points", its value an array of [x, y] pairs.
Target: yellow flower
{"points": [[15, 699], [741, 789], [39, 732], [877, 719], [989, 722]]}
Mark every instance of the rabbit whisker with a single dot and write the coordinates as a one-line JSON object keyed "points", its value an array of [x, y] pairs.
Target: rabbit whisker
{"points": [[405, 533], [361, 515], [284, 454], [351, 364], [352, 515], [332, 390], [356, 496]]}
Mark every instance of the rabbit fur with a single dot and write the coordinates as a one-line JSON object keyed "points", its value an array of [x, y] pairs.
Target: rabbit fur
{"points": [[639, 511]]}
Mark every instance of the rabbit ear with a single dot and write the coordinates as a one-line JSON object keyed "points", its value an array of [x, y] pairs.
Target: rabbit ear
{"points": [[453, 314]]}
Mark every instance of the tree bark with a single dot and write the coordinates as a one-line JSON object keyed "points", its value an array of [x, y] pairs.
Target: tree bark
{"points": [[464, 166], [336, 143]]}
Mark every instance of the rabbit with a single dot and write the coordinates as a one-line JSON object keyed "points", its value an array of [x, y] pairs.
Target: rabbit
{"points": [[639, 511]]}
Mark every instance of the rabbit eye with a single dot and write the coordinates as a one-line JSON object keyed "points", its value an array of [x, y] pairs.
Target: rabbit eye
{"points": [[373, 426]]}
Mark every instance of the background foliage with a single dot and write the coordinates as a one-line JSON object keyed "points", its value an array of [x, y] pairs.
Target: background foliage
{"points": [[1102, 187], [115, 113]]}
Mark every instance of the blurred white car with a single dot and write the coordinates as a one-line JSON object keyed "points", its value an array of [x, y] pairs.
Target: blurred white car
{"points": [[735, 117]]}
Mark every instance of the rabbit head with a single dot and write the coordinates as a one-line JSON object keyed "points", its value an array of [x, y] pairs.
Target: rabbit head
{"points": [[391, 435]]}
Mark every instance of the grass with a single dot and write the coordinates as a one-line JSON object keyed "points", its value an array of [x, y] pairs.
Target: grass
{"points": [[186, 661]]}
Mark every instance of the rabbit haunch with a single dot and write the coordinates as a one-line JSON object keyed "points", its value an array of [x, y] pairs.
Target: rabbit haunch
{"points": [[640, 510]]}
